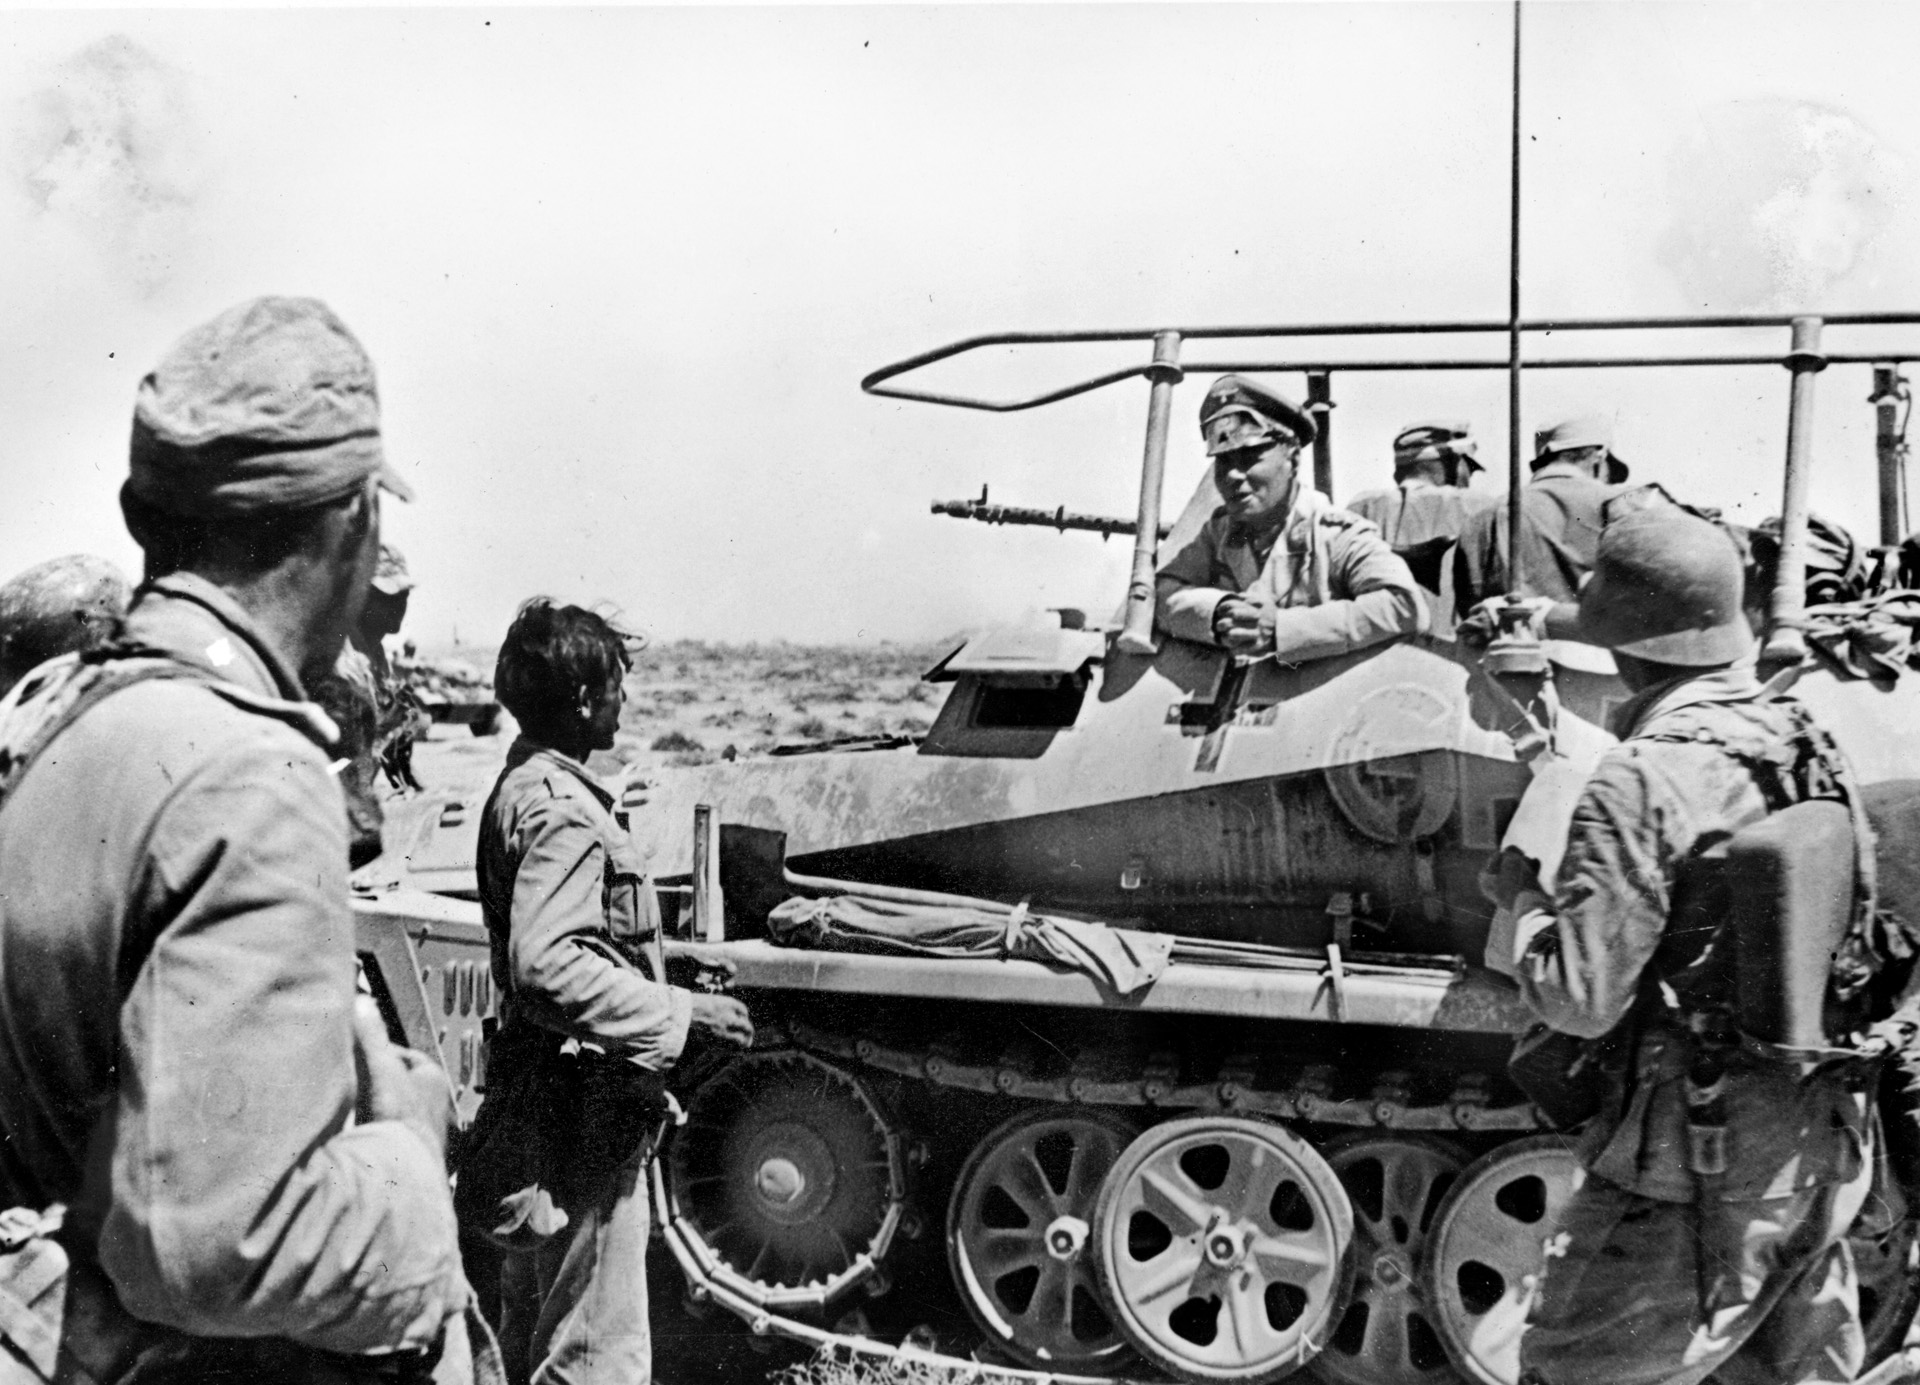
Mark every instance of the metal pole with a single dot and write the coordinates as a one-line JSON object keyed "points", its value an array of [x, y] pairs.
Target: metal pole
{"points": [[1136, 636], [1889, 392], [1513, 334], [1786, 642], [1320, 406]]}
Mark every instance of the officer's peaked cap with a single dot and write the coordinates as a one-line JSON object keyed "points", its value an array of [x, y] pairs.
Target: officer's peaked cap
{"points": [[1239, 413], [270, 406]]}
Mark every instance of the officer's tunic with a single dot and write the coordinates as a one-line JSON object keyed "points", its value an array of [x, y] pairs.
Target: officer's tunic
{"points": [[556, 867], [176, 982], [1344, 587], [1633, 910]]}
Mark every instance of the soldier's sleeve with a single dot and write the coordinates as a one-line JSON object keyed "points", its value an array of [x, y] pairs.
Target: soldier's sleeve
{"points": [[1471, 568], [1374, 598], [244, 1201], [1581, 953], [1186, 589], [564, 983]]}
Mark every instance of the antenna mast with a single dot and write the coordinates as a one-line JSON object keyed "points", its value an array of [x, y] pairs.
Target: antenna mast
{"points": [[1513, 333]]}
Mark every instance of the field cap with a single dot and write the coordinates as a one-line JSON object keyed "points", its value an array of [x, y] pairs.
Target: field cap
{"points": [[270, 406], [390, 575], [1667, 586], [1237, 413], [1587, 430], [1432, 442]]}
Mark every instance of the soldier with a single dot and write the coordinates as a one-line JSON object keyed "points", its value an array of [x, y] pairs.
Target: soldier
{"points": [[551, 1172], [181, 1034], [58, 607], [1278, 570], [1424, 512], [1673, 1262], [1575, 473]]}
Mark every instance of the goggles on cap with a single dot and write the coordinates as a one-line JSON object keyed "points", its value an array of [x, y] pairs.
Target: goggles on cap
{"points": [[1242, 430]]}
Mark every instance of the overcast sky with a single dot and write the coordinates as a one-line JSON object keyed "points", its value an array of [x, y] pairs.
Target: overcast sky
{"points": [[621, 271]]}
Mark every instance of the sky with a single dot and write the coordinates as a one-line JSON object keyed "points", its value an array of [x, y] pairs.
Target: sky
{"points": [[622, 270]]}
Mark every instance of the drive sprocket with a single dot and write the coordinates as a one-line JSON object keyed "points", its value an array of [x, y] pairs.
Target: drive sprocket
{"points": [[789, 1173]]}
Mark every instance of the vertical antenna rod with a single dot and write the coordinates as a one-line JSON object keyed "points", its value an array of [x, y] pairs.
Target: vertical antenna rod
{"points": [[1513, 333]]}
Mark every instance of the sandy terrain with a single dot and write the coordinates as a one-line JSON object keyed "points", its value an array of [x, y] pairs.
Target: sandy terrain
{"points": [[690, 702]]}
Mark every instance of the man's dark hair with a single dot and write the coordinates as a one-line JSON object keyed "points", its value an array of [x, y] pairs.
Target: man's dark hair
{"points": [[235, 544], [549, 654]]}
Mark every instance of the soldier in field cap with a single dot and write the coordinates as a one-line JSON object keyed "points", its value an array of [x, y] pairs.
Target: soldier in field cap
{"points": [[1429, 505], [1575, 473], [181, 1033], [1278, 570]]}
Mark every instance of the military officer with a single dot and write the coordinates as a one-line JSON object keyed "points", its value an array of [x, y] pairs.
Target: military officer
{"points": [[253, 1180], [1671, 1262], [1278, 570]]}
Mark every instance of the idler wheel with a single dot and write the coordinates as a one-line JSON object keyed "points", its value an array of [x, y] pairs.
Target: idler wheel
{"points": [[1488, 1248], [1387, 1334], [1018, 1231], [1225, 1249], [787, 1171]]}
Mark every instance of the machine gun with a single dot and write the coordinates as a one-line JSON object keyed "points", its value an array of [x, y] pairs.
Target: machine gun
{"points": [[1062, 518]]}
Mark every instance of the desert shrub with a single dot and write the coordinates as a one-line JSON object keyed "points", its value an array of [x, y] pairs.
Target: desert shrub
{"points": [[829, 1366], [813, 728], [676, 740]]}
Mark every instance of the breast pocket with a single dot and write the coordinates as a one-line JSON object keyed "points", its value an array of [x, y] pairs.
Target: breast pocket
{"points": [[633, 915]]}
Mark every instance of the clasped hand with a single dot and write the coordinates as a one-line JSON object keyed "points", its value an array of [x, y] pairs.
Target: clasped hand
{"points": [[1243, 626]]}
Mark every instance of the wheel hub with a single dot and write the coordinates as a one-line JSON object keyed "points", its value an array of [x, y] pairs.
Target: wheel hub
{"points": [[1226, 1246], [1388, 1272], [1065, 1236]]}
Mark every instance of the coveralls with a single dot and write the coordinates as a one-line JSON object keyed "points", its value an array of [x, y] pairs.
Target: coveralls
{"points": [[1561, 519], [1625, 950], [556, 866], [1418, 513], [177, 1060], [1344, 587]]}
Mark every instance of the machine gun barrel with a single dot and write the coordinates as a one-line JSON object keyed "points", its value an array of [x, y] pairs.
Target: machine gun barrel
{"points": [[1062, 518]]}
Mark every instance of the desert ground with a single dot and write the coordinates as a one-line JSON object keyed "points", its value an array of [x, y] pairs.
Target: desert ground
{"points": [[689, 702]]}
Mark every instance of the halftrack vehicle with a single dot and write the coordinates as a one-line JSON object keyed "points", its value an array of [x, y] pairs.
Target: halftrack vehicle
{"points": [[1132, 1021]]}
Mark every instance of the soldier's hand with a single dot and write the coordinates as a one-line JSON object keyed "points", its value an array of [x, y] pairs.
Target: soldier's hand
{"points": [[397, 1083], [724, 1018], [1507, 875], [701, 969], [1237, 625]]}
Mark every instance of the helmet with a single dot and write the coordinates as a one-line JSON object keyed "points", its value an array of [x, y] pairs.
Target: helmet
{"points": [[1667, 587], [57, 607], [1836, 571]]}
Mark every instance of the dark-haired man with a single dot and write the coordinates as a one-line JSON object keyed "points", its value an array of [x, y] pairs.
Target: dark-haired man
{"points": [[253, 1179], [1278, 571], [61, 606], [568, 905]]}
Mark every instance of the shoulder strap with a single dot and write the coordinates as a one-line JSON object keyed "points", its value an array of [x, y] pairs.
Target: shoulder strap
{"points": [[58, 693]]}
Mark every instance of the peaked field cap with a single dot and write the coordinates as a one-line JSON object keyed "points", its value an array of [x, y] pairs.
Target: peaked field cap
{"points": [[1429, 442], [390, 573], [1238, 412], [1584, 430], [1667, 586], [270, 406]]}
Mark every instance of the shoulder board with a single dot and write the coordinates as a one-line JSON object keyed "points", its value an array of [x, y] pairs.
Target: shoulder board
{"points": [[1337, 518]]}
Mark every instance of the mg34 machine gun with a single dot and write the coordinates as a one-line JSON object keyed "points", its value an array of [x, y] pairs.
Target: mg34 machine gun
{"points": [[1131, 1023]]}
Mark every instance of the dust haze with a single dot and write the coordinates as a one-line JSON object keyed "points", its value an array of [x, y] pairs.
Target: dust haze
{"points": [[107, 148], [1777, 203]]}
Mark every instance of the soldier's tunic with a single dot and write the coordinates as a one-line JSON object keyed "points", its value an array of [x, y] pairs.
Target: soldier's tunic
{"points": [[1623, 951], [1417, 514], [556, 869], [177, 976], [1560, 523], [1344, 587]]}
